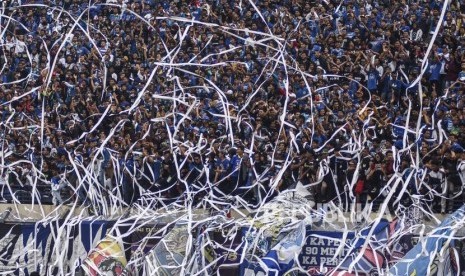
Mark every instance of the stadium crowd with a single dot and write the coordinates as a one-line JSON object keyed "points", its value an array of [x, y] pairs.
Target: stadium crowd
{"points": [[244, 98]]}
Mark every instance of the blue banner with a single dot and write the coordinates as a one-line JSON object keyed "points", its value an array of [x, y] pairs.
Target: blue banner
{"points": [[39, 239], [324, 251], [321, 247]]}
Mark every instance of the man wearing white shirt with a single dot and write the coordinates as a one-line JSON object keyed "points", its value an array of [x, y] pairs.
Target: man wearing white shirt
{"points": [[20, 46], [3, 184], [9, 42], [436, 182], [461, 170]]}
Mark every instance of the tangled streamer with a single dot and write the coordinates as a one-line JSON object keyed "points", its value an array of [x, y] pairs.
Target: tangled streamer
{"points": [[225, 130]]}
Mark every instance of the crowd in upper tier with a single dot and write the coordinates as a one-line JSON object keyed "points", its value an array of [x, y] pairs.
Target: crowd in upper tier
{"points": [[212, 98]]}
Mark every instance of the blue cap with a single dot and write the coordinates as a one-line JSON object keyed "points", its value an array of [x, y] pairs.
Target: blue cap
{"points": [[457, 148], [462, 76], [405, 28], [443, 108], [399, 144], [55, 180]]}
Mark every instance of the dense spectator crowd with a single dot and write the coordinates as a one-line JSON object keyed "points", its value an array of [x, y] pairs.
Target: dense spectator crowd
{"points": [[247, 98]]}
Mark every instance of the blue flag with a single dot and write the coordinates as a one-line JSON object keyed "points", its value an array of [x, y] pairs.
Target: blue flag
{"points": [[420, 259], [282, 256]]}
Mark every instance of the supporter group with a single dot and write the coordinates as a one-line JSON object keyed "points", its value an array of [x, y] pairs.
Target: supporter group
{"points": [[193, 100]]}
